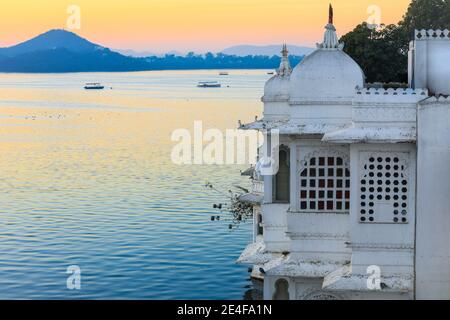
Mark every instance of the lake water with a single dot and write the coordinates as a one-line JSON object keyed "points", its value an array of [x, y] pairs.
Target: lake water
{"points": [[86, 179]]}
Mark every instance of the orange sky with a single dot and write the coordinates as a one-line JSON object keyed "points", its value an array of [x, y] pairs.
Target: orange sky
{"points": [[199, 25]]}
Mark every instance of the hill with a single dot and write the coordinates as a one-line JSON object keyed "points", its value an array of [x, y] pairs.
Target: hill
{"points": [[63, 51]]}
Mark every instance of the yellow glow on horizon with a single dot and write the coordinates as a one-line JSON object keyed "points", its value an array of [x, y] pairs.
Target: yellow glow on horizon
{"points": [[162, 25]]}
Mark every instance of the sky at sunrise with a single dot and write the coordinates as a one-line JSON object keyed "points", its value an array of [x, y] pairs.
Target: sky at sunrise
{"points": [[185, 25]]}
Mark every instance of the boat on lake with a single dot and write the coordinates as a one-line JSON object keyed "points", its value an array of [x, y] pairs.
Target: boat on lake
{"points": [[223, 74], [209, 84], [94, 86]]}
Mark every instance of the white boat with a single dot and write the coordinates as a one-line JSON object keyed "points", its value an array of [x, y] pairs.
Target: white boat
{"points": [[209, 84], [94, 86]]}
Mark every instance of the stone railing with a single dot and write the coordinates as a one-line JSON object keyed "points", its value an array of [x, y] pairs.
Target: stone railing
{"points": [[258, 187], [432, 34]]}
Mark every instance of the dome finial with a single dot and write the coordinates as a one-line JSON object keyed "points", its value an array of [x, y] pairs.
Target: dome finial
{"points": [[285, 67], [330, 40], [330, 14], [284, 51]]}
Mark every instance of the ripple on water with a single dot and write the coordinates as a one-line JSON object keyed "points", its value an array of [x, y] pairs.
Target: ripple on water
{"points": [[89, 182]]}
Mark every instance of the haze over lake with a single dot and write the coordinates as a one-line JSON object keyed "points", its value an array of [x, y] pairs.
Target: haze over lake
{"points": [[87, 180]]}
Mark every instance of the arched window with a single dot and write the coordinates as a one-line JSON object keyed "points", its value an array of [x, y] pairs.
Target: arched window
{"points": [[260, 228], [325, 183], [282, 178], [281, 290]]}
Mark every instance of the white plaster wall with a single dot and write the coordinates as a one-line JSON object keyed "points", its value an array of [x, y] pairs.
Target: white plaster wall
{"points": [[433, 202], [275, 226], [439, 66], [418, 67], [319, 236], [431, 65], [321, 113], [276, 110]]}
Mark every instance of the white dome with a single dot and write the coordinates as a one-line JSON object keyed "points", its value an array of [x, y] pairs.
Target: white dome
{"points": [[326, 74], [277, 89]]}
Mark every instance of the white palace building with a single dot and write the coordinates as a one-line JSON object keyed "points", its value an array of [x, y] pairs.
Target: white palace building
{"points": [[360, 205]]}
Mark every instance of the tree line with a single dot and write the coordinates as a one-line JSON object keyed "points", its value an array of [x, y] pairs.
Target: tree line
{"points": [[217, 61], [383, 52]]}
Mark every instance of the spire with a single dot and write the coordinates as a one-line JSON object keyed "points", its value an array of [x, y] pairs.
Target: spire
{"points": [[330, 14], [330, 39], [284, 51], [285, 68]]}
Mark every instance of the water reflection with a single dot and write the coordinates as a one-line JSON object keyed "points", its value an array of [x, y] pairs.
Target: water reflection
{"points": [[86, 180]]}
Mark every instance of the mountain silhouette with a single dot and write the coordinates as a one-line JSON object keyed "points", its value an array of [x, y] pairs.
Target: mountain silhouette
{"points": [[63, 51], [51, 40]]}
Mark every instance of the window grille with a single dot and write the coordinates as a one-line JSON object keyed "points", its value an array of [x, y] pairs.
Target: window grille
{"points": [[325, 184], [384, 188]]}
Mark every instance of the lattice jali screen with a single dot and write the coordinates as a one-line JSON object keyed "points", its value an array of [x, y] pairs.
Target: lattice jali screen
{"points": [[324, 183], [384, 187]]}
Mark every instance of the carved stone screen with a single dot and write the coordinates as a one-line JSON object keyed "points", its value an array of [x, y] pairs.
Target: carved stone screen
{"points": [[384, 187]]}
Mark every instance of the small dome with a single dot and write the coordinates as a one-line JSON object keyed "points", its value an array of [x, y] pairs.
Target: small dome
{"points": [[326, 74], [277, 89]]}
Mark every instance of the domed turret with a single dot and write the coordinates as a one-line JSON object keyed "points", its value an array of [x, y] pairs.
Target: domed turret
{"points": [[327, 74], [277, 88]]}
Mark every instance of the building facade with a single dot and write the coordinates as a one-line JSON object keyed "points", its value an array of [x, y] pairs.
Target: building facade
{"points": [[359, 207]]}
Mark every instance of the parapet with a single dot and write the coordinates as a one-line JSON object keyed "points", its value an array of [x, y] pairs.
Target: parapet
{"points": [[432, 34], [392, 92]]}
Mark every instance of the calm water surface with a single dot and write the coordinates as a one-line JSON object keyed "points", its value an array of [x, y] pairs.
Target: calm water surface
{"points": [[86, 180]]}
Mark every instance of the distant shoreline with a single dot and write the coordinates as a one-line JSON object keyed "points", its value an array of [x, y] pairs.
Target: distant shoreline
{"points": [[137, 71]]}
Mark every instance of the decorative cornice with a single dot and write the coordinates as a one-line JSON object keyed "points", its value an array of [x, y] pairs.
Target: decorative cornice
{"points": [[370, 134], [392, 91], [317, 236], [432, 34], [324, 102], [380, 246], [434, 99], [344, 280], [277, 98]]}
